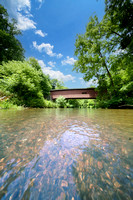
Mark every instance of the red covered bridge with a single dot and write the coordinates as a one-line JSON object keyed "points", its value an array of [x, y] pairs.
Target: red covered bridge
{"points": [[88, 93]]}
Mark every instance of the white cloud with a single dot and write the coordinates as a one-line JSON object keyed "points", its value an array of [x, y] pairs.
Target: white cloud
{"points": [[89, 83], [51, 64], [59, 55], [55, 74], [41, 63], [14, 6], [15, 9], [47, 48], [68, 61], [23, 4], [24, 23], [58, 75], [40, 2], [39, 32]]}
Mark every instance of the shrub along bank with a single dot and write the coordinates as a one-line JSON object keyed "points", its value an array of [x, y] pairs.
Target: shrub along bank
{"points": [[75, 103]]}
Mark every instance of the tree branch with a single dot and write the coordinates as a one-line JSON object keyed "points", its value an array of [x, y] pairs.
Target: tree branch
{"points": [[105, 65], [116, 33]]}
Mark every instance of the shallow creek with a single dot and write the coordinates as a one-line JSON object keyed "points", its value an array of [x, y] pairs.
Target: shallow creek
{"points": [[56, 154]]}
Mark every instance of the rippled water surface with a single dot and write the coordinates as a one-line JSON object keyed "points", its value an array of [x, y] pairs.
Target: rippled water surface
{"points": [[56, 154]]}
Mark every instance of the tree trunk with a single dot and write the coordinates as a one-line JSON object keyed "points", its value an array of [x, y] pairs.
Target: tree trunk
{"points": [[105, 65]]}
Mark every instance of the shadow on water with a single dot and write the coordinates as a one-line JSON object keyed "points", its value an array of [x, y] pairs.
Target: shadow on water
{"points": [[56, 154]]}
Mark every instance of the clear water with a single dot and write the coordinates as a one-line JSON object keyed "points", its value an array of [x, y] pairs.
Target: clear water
{"points": [[56, 154]]}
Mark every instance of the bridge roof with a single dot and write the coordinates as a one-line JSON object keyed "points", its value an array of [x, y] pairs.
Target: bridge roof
{"points": [[73, 89]]}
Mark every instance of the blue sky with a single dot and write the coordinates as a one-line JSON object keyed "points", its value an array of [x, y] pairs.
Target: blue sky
{"points": [[49, 29]]}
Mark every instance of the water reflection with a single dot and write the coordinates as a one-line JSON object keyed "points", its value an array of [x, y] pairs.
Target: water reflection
{"points": [[66, 154]]}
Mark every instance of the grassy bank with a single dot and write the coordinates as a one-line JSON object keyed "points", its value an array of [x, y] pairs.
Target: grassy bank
{"points": [[61, 102], [7, 105]]}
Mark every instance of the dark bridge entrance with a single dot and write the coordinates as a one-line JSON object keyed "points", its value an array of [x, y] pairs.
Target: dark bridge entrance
{"points": [[88, 93]]}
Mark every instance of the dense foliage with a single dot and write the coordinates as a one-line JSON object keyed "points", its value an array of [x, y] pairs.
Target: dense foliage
{"points": [[100, 57], [24, 83], [57, 85], [10, 47], [61, 102], [121, 17]]}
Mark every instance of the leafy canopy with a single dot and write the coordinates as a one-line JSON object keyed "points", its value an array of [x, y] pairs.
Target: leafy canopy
{"points": [[27, 85], [100, 56], [93, 51], [57, 85], [121, 15], [10, 47]]}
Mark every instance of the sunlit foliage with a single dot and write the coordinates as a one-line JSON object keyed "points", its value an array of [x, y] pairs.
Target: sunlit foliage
{"points": [[26, 84], [100, 56], [10, 47]]}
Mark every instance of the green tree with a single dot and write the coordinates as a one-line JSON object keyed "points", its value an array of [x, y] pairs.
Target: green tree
{"points": [[122, 71], [60, 86], [85, 104], [53, 83], [61, 101], [45, 82], [10, 47], [100, 56], [121, 16], [34, 63], [93, 52], [25, 83], [75, 103], [57, 85]]}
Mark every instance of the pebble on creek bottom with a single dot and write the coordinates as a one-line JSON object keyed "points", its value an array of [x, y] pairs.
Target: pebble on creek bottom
{"points": [[64, 183], [116, 184], [62, 196]]}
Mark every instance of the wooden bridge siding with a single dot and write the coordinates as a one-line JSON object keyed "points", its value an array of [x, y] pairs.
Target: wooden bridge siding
{"points": [[74, 94]]}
